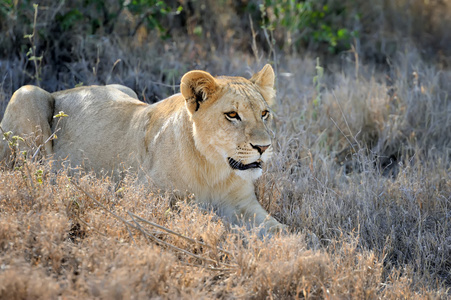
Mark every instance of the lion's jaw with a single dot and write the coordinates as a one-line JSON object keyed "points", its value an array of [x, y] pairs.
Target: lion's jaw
{"points": [[244, 162], [250, 168]]}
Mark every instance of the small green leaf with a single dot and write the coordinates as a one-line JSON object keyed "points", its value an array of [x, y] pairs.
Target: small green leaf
{"points": [[61, 114], [6, 135], [38, 58], [17, 138], [342, 33], [197, 30]]}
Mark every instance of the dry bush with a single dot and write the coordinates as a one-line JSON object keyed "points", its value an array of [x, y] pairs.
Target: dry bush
{"points": [[400, 131]]}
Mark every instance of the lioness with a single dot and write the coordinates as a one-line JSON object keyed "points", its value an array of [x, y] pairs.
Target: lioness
{"points": [[210, 140]]}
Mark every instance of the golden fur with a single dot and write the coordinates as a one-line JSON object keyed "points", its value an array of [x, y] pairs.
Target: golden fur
{"points": [[209, 140]]}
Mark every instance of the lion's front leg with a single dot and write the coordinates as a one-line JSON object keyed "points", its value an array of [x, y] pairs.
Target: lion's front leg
{"points": [[249, 211]]}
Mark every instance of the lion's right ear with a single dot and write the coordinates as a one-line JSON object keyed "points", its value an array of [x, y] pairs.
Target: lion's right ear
{"points": [[197, 87]]}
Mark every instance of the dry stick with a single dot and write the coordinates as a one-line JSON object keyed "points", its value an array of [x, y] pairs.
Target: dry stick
{"points": [[254, 39], [271, 47], [138, 226], [209, 268], [132, 215], [338, 127], [33, 47], [131, 235], [178, 234], [105, 208], [143, 231], [30, 179], [90, 226], [346, 121], [51, 137], [160, 241], [46, 141]]}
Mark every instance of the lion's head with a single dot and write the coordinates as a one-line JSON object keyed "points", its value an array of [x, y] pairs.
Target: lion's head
{"points": [[230, 117]]}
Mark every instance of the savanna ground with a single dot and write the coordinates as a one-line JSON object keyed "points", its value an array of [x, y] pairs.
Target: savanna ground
{"points": [[361, 173]]}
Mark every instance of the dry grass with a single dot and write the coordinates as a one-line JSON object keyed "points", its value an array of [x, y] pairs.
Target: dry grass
{"points": [[361, 175], [56, 242]]}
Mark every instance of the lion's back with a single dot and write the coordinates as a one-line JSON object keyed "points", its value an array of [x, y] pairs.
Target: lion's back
{"points": [[101, 127]]}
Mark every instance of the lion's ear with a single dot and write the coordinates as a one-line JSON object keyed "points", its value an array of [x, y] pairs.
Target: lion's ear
{"points": [[197, 87], [265, 81]]}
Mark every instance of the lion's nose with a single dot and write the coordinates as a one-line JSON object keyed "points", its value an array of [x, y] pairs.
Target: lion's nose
{"points": [[260, 148]]}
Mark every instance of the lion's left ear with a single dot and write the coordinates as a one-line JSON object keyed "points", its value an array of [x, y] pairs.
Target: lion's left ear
{"points": [[265, 81], [197, 87]]}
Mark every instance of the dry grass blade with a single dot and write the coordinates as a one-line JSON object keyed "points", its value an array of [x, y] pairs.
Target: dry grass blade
{"points": [[101, 205], [139, 227], [109, 211], [147, 234], [51, 137], [90, 226], [178, 234], [160, 241]]}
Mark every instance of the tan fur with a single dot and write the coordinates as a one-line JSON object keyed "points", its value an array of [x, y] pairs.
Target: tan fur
{"points": [[182, 143]]}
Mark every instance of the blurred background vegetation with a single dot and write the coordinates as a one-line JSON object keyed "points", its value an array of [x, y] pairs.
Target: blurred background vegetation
{"points": [[75, 39], [363, 89]]}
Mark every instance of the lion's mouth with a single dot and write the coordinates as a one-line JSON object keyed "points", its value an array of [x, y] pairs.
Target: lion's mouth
{"points": [[240, 166]]}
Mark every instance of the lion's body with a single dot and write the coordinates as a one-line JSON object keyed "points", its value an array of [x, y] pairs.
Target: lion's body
{"points": [[182, 143]]}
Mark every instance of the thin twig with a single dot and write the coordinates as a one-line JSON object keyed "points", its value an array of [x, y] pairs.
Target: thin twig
{"points": [[178, 234], [346, 120], [46, 141], [209, 268], [30, 179], [145, 232], [90, 226], [105, 208], [254, 41], [138, 226], [338, 127], [131, 235], [160, 241]]}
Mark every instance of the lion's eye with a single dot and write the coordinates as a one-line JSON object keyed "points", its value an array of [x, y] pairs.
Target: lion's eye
{"points": [[265, 114], [232, 115]]}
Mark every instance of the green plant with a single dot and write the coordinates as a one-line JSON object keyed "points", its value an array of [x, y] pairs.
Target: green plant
{"points": [[317, 82], [309, 22], [31, 54], [318, 85], [97, 14], [150, 13]]}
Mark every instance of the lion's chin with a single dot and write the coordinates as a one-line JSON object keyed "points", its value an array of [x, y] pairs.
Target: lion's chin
{"points": [[236, 165]]}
